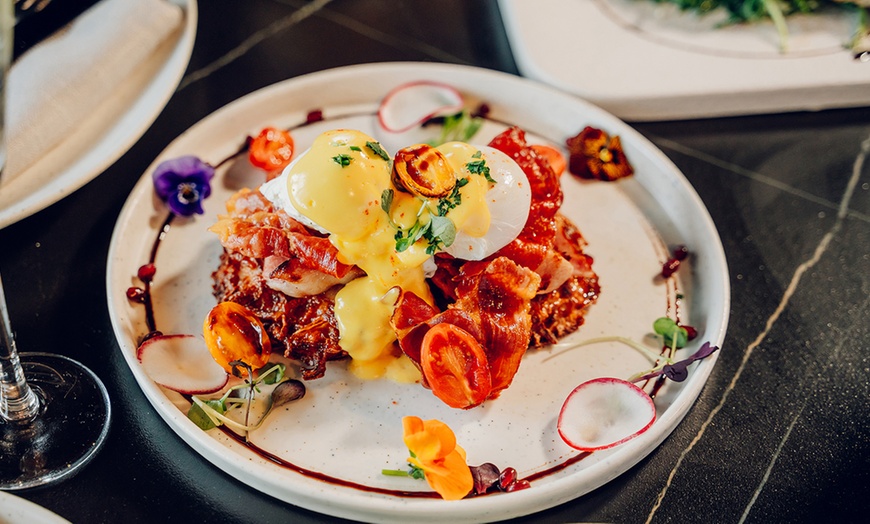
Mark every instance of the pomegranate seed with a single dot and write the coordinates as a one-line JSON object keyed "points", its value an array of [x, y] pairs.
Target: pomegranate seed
{"points": [[314, 116], [670, 267], [507, 477], [146, 272], [518, 485], [691, 332], [681, 252], [136, 294]]}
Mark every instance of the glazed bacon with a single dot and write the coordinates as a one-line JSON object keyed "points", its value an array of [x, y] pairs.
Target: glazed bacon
{"points": [[303, 328], [499, 297], [534, 244], [560, 312], [296, 261], [276, 267]]}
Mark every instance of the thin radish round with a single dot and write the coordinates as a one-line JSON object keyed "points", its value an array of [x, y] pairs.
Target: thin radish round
{"points": [[604, 412], [413, 103], [181, 363]]}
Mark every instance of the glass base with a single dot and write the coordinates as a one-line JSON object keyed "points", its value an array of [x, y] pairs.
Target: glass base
{"points": [[70, 428]]}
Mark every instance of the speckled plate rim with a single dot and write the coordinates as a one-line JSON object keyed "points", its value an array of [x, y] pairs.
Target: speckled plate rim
{"points": [[353, 84], [16, 509]]}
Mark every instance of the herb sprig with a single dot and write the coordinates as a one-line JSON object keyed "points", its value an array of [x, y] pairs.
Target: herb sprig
{"points": [[210, 413], [439, 232], [478, 167], [674, 337], [460, 127]]}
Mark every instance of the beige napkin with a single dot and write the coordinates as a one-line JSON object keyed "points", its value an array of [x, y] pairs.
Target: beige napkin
{"points": [[55, 85]]}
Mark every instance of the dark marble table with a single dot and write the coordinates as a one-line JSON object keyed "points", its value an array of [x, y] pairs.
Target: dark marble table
{"points": [[780, 433]]}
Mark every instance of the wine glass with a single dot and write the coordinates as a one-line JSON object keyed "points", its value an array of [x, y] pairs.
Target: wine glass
{"points": [[54, 412]]}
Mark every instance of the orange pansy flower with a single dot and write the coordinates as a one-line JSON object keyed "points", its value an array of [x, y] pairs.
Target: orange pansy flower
{"points": [[433, 449]]}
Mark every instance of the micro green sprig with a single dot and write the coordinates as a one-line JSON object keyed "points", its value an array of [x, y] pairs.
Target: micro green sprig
{"points": [[459, 127], [439, 231], [413, 471], [210, 413], [674, 337]]}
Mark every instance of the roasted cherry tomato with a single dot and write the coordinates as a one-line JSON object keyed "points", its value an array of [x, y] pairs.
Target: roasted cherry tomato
{"points": [[232, 332], [271, 150], [455, 366], [554, 157]]}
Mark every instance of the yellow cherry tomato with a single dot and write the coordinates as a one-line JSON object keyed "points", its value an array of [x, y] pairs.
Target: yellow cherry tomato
{"points": [[232, 332]]}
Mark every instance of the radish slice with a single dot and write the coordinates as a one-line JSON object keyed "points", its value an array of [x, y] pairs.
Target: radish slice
{"points": [[181, 363], [415, 102], [604, 412]]}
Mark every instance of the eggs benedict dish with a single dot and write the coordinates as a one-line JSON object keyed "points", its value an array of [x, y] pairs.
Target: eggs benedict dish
{"points": [[438, 265]]}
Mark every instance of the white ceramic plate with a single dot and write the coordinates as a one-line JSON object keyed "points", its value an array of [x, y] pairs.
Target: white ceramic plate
{"points": [[350, 429], [107, 134], [646, 61], [17, 510]]}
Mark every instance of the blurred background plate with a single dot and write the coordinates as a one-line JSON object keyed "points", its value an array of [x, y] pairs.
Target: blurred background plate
{"points": [[646, 61], [107, 134]]}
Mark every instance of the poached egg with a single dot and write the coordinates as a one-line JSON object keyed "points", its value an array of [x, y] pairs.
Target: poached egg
{"points": [[342, 186]]}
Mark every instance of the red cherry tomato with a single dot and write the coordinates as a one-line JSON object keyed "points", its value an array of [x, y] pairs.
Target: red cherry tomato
{"points": [[455, 366], [554, 157], [271, 150]]}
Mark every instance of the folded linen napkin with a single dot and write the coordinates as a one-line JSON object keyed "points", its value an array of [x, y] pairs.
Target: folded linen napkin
{"points": [[55, 85]]}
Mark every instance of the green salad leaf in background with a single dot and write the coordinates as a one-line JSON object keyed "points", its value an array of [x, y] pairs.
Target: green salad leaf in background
{"points": [[746, 11]]}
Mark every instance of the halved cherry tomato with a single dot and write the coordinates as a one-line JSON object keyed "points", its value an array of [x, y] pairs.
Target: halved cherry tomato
{"points": [[554, 157], [455, 366], [271, 150], [232, 332]]}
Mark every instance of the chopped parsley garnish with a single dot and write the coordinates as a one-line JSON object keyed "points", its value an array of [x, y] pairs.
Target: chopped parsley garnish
{"points": [[453, 199], [479, 167], [343, 160], [387, 200], [378, 150], [355, 148]]}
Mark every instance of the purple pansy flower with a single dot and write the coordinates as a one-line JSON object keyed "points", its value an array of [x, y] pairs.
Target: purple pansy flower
{"points": [[183, 183]]}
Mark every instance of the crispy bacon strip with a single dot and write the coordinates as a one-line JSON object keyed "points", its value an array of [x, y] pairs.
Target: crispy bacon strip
{"points": [[413, 317], [297, 261], [499, 299], [303, 328], [560, 312], [281, 271], [530, 247]]}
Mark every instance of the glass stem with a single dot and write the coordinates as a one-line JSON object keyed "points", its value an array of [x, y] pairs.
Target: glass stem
{"points": [[18, 402]]}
